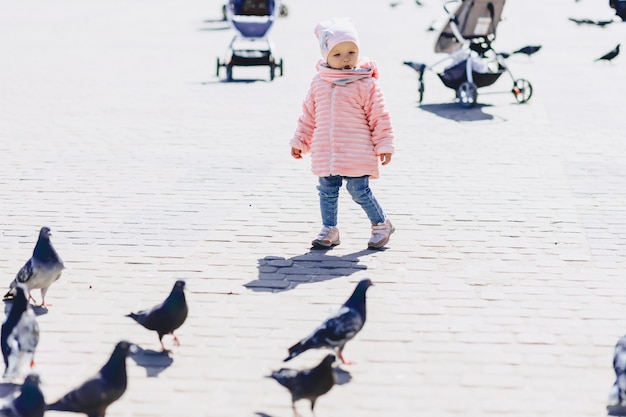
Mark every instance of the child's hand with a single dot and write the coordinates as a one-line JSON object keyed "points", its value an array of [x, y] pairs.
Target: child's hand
{"points": [[385, 158], [296, 153]]}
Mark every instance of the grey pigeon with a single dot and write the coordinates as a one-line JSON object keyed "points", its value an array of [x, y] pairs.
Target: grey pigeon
{"points": [[41, 270], [167, 316], [610, 55], [19, 335], [29, 403], [527, 50], [339, 328], [94, 395], [617, 395], [307, 384]]}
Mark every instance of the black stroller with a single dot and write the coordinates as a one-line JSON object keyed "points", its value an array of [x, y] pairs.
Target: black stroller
{"points": [[251, 46], [467, 38]]}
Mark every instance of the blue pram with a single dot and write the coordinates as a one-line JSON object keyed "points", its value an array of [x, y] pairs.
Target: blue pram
{"points": [[251, 46], [472, 62]]}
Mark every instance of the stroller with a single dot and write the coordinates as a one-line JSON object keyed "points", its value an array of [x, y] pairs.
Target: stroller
{"points": [[467, 38], [251, 46]]}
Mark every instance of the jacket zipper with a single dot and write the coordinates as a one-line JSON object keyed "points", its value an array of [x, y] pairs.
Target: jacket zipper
{"points": [[330, 130]]}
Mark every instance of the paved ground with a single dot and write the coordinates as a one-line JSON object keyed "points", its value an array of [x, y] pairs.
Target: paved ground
{"points": [[499, 295]]}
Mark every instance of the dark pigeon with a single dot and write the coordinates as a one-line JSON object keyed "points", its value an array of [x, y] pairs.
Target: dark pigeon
{"points": [[528, 50], [97, 393], [166, 317], [417, 66], [609, 55], [19, 335], [29, 403], [307, 384], [339, 328], [41, 270], [617, 395]]}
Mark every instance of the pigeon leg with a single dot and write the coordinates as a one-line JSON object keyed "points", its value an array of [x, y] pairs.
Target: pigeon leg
{"points": [[295, 412], [342, 359], [176, 341]]}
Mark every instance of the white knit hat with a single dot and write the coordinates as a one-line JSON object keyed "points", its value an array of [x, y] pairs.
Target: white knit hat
{"points": [[334, 31]]}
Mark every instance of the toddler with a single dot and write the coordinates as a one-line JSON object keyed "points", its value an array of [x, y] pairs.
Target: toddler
{"points": [[346, 127]]}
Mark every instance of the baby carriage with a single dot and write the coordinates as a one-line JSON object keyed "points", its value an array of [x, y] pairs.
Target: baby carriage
{"points": [[467, 39], [251, 46]]}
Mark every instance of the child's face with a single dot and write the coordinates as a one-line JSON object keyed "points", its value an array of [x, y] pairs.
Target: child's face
{"points": [[344, 55]]}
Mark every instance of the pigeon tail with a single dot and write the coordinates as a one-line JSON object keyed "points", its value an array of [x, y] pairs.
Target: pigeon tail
{"points": [[297, 349]]}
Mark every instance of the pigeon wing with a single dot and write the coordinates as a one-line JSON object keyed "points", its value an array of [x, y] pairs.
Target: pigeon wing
{"points": [[92, 397], [336, 330]]}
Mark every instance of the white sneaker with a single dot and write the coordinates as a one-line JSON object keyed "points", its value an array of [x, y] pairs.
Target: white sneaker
{"points": [[327, 237], [380, 234]]}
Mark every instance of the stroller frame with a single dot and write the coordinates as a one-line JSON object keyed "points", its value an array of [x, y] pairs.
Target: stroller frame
{"points": [[467, 38], [252, 49]]}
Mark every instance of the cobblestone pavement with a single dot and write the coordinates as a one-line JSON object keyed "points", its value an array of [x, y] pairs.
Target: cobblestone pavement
{"points": [[500, 294]]}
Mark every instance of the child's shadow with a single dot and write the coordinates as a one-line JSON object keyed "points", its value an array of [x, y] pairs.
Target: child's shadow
{"points": [[278, 274]]}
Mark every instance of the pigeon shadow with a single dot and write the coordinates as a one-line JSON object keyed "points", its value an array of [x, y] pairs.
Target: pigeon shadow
{"points": [[154, 362], [454, 111], [342, 377], [616, 410], [8, 388], [8, 304], [277, 274]]}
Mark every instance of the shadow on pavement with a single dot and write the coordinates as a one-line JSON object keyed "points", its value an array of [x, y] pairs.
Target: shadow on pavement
{"points": [[154, 362], [454, 111], [278, 274], [8, 304], [7, 389]]}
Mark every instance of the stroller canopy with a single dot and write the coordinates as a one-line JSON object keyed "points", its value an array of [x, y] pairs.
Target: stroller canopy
{"points": [[472, 18], [252, 7]]}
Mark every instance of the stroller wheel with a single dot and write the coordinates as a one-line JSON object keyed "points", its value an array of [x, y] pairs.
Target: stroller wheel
{"points": [[467, 93], [272, 71], [522, 90], [217, 72]]}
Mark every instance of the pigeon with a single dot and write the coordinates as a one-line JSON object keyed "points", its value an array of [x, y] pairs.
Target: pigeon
{"points": [[609, 55], [307, 384], [19, 335], [166, 317], [581, 21], [617, 395], [602, 23], [339, 328], [528, 50], [417, 66], [29, 403], [94, 395], [41, 270]]}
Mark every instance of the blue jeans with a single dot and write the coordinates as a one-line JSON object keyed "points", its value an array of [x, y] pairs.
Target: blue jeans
{"points": [[359, 189]]}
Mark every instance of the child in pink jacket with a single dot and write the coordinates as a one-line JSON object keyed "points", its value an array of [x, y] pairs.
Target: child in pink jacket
{"points": [[346, 128]]}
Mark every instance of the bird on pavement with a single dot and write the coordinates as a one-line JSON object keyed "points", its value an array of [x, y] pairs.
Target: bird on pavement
{"points": [[617, 395], [609, 55], [94, 395], [581, 21], [528, 50], [166, 317], [41, 270], [417, 66], [307, 384], [339, 328], [29, 403], [19, 335]]}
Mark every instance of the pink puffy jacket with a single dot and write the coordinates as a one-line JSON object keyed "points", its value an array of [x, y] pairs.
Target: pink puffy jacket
{"points": [[344, 123]]}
